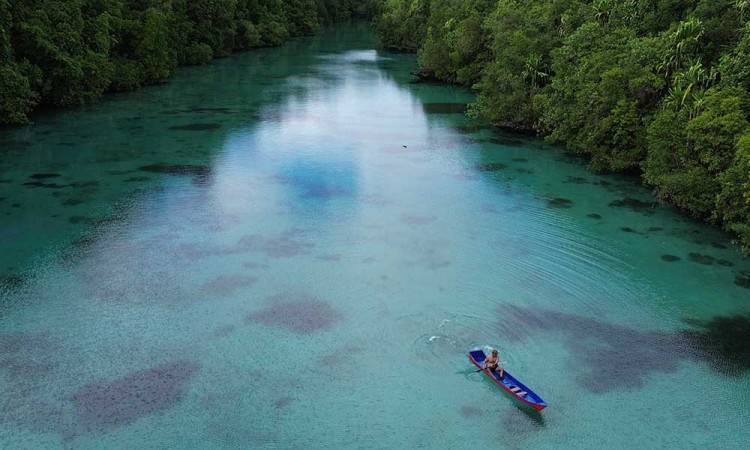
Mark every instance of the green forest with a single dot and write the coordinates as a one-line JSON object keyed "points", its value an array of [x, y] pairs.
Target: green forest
{"points": [[653, 87], [69, 52], [657, 88]]}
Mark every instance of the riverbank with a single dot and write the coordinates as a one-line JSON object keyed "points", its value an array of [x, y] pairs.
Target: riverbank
{"points": [[664, 95], [120, 46]]}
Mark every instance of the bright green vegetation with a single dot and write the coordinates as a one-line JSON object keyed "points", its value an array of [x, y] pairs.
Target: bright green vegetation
{"points": [[657, 87], [68, 52]]}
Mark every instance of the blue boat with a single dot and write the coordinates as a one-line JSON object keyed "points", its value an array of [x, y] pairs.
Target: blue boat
{"points": [[509, 383]]}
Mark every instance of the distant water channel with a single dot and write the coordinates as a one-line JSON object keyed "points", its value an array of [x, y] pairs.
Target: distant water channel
{"points": [[297, 247]]}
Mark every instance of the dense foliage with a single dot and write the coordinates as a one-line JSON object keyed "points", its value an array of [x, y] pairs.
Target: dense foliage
{"points": [[658, 87], [65, 52]]}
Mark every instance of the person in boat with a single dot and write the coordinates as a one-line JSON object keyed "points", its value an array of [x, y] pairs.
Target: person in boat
{"points": [[493, 363]]}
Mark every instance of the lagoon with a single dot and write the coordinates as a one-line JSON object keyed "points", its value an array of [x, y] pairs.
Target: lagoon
{"points": [[297, 247]]}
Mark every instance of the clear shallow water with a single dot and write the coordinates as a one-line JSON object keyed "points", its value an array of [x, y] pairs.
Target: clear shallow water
{"points": [[298, 247]]}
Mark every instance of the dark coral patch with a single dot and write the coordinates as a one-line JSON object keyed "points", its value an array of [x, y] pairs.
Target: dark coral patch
{"points": [[725, 263], [287, 245], [108, 404], [196, 127], [300, 314], [628, 230], [634, 204], [594, 216], [178, 169], [322, 191], [718, 245], [470, 411], [23, 343], [523, 170], [722, 342], [227, 285], [559, 202], [411, 219], [491, 167], [670, 258], [77, 220], [719, 342], [136, 179], [655, 229], [595, 342], [44, 176], [330, 257], [119, 172], [743, 279], [282, 402], [43, 185], [506, 142], [576, 180], [706, 260], [444, 108], [224, 331], [24, 357], [434, 265], [211, 110], [86, 185], [25, 370], [173, 112], [201, 173], [73, 201], [469, 129], [334, 361]]}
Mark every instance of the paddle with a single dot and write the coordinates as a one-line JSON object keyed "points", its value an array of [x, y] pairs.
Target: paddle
{"points": [[479, 370]]}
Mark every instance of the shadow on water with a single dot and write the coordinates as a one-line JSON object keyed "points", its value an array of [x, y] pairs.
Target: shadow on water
{"points": [[521, 422], [521, 418], [610, 356], [534, 417]]}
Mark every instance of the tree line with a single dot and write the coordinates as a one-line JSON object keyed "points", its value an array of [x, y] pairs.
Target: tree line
{"points": [[656, 87], [69, 52]]}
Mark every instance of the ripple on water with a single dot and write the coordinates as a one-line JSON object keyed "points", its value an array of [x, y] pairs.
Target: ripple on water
{"points": [[566, 257], [442, 340]]}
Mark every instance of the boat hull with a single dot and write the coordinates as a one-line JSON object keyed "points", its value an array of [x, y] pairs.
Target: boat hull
{"points": [[509, 383]]}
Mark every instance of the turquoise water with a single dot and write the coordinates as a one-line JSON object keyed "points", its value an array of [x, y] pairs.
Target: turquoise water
{"points": [[297, 247]]}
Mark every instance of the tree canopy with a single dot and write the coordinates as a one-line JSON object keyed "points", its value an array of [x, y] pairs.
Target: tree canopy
{"points": [[67, 52], [656, 87]]}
